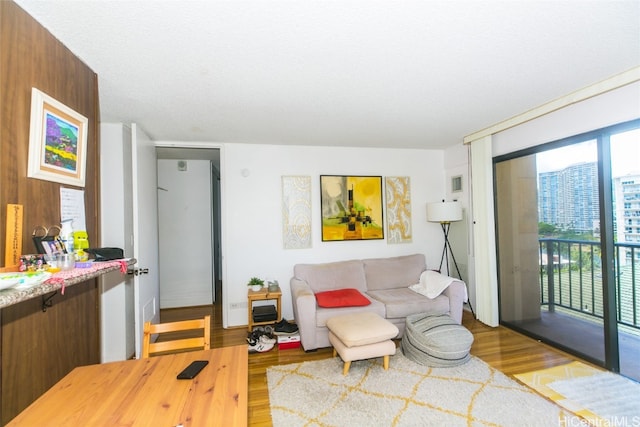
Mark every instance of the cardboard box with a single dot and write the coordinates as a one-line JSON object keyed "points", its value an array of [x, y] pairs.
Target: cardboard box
{"points": [[288, 338], [288, 341], [265, 313], [288, 345]]}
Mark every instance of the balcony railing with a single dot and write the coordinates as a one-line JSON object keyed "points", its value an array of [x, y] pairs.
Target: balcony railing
{"points": [[571, 278]]}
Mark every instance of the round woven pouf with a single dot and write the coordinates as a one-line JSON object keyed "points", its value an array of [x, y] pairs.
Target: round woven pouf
{"points": [[436, 341]]}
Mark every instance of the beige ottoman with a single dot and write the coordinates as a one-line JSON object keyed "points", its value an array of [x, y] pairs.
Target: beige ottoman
{"points": [[361, 336]]}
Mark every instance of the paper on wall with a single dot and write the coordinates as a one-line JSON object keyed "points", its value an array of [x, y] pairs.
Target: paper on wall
{"points": [[72, 207]]}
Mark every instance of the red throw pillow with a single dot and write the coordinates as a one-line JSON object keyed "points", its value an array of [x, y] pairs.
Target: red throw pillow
{"points": [[341, 298]]}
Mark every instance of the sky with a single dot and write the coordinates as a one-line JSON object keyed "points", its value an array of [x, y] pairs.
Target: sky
{"points": [[625, 156]]}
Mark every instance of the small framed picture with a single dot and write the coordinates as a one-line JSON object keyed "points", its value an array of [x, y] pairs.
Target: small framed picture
{"points": [[49, 245], [57, 141]]}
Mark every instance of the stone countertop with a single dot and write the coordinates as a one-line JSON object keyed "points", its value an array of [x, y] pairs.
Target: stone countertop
{"points": [[60, 280]]}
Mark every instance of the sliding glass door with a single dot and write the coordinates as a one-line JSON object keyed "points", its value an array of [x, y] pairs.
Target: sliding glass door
{"points": [[559, 211], [625, 168]]}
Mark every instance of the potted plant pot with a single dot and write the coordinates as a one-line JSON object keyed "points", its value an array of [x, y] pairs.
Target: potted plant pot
{"points": [[255, 284]]}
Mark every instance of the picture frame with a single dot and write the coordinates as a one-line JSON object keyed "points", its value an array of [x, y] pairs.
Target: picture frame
{"points": [[352, 207], [296, 212], [47, 241], [52, 246], [398, 197], [57, 141]]}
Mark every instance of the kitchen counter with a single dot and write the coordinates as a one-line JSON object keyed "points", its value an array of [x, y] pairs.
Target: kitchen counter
{"points": [[61, 280]]}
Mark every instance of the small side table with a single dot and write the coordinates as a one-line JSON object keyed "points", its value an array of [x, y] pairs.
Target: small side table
{"points": [[262, 295]]}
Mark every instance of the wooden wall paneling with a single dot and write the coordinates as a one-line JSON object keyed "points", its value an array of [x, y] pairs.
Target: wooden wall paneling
{"points": [[32, 57], [37, 348], [42, 347]]}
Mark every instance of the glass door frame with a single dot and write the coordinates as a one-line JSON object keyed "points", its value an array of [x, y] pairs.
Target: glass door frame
{"points": [[605, 187]]}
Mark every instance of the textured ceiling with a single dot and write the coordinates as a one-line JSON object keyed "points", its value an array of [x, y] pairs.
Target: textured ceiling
{"points": [[416, 74]]}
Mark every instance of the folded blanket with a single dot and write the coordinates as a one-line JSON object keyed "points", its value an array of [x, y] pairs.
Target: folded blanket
{"points": [[433, 284]]}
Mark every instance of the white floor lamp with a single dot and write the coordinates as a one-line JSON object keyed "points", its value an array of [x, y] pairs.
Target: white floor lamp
{"points": [[445, 213]]}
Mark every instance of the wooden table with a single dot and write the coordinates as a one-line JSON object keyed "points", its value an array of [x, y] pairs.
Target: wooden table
{"points": [[262, 295], [145, 392]]}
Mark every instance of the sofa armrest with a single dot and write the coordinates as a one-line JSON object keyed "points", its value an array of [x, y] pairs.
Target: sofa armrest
{"points": [[457, 294], [304, 311]]}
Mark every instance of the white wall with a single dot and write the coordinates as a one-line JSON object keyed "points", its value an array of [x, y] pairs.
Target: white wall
{"points": [[117, 340], [184, 232], [618, 106], [457, 164], [252, 219]]}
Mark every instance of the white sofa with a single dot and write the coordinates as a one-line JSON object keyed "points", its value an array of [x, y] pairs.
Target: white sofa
{"points": [[384, 282]]}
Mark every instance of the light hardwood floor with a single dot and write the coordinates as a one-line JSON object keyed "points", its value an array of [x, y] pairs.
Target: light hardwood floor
{"points": [[502, 348]]}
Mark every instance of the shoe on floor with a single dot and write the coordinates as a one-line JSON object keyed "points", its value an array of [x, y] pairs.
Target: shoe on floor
{"points": [[266, 339], [257, 333], [285, 328], [259, 347], [258, 336], [280, 323]]}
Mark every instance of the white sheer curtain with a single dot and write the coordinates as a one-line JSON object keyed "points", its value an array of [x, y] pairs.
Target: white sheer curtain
{"points": [[484, 246]]}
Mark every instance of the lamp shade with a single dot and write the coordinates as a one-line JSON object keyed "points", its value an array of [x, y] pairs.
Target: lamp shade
{"points": [[444, 212]]}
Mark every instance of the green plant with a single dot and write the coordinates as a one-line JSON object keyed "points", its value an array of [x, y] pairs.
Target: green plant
{"points": [[254, 281]]}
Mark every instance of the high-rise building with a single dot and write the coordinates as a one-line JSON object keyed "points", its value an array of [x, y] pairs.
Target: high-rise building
{"points": [[626, 193], [547, 197], [568, 198]]}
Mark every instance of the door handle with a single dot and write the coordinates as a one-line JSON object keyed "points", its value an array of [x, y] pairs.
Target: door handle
{"points": [[138, 271]]}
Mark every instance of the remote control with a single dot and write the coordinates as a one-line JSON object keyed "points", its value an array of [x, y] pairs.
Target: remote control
{"points": [[192, 370]]}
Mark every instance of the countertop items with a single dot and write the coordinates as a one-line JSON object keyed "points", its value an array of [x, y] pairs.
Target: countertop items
{"points": [[22, 280], [58, 281]]}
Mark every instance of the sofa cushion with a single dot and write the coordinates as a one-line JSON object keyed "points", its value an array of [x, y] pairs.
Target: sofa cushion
{"points": [[402, 302], [332, 275], [395, 272], [341, 298], [324, 314]]}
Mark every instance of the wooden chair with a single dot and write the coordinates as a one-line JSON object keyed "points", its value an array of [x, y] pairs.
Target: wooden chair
{"points": [[202, 342]]}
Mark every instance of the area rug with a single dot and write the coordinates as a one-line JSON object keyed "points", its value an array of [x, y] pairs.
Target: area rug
{"points": [[602, 398], [407, 394]]}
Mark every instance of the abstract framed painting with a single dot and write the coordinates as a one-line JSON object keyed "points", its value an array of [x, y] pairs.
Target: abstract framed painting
{"points": [[57, 141], [296, 212], [351, 207], [398, 195]]}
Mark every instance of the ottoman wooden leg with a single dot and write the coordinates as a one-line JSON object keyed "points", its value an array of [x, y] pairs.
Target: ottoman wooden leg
{"points": [[385, 362], [334, 352], [345, 370]]}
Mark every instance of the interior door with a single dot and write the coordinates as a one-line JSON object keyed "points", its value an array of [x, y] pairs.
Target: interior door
{"points": [[184, 210], [145, 232]]}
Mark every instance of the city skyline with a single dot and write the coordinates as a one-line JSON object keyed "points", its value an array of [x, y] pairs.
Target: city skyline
{"points": [[625, 155]]}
